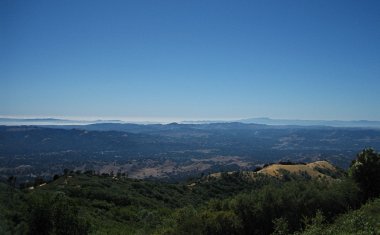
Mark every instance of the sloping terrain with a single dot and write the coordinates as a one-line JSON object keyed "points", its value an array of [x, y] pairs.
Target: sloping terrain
{"points": [[314, 170], [84, 203]]}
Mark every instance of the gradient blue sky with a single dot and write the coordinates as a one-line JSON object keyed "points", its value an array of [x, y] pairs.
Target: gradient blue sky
{"points": [[151, 60]]}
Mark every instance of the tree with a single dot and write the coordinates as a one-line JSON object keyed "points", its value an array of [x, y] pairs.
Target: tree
{"points": [[12, 181], [221, 222], [188, 222], [39, 219], [281, 226], [55, 214], [38, 181], [55, 177], [365, 170], [65, 217]]}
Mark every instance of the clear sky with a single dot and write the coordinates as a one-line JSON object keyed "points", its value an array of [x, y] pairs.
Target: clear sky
{"points": [[314, 59]]}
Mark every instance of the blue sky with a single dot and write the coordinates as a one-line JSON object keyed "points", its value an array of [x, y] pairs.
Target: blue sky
{"points": [[148, 60]]}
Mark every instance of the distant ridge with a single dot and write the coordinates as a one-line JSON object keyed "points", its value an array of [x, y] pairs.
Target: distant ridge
{"points": [[261, 121], [295, 122], [50, 121]]}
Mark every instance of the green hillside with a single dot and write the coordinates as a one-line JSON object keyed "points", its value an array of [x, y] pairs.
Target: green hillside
{"points": [[78, 203], [365, 220], [114, 205]]}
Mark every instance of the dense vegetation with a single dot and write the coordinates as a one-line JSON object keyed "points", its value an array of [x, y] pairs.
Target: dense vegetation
{"points": [[78, 203], [365, 220]]}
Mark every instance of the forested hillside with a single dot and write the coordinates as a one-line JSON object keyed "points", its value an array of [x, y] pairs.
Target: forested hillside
{"points": [[83, 203]]}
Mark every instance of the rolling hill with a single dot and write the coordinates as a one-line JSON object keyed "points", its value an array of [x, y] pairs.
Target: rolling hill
{"points": [[315, 170], [83, 203]]}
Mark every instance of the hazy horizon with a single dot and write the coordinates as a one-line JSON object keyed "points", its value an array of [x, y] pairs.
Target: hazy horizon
{"points": [[69, 120]]}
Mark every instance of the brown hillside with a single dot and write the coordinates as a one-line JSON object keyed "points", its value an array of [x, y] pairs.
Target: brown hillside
{"points": [[313, 169], [318, 169]]}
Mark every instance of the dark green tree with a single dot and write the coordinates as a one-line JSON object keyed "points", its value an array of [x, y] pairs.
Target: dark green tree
{"points": [[188, 222], [281, 226], [221, 223], [12, 181], [65, 217], [365, 170], [39, 219], [55, 177], [55, 214]]}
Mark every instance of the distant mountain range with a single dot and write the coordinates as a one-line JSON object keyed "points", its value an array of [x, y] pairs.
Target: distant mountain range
{"points": [[50, 121], [262, 121], [294, 122]]}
